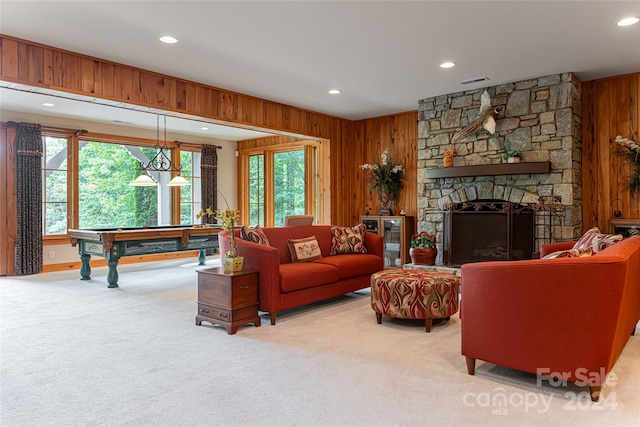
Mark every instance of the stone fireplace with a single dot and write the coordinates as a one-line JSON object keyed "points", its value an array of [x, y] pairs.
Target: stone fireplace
{"points": [[542, 119]]}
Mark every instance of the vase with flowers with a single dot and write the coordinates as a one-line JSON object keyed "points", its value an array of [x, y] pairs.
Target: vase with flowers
{"points": [[633, 155], [387, 179], [227, 218]]}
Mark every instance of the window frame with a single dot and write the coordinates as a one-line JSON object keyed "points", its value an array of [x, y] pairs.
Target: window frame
{"points": [[313, 162], [72, 147]]}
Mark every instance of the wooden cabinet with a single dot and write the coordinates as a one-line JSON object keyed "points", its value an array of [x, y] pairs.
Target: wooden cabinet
{"points": [[229, 299], [397, 232]]}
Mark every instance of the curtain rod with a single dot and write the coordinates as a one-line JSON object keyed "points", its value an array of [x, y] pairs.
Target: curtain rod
{"points": [[190, 143]]}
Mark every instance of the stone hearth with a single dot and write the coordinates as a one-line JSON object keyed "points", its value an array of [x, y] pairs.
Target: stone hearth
{"points": [[541, 118]]}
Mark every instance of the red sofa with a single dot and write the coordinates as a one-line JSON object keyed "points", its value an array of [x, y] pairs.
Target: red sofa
{"points": [[284, 284], [565, 318]]}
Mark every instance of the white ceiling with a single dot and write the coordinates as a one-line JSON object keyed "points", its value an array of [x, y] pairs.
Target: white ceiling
{"points": [[383, 55]]}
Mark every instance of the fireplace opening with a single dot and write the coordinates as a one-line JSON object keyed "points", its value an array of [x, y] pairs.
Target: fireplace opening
{"points": [[487, 230]]}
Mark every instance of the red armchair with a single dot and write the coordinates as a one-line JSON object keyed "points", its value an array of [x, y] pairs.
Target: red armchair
{"points": [[565, 318]]}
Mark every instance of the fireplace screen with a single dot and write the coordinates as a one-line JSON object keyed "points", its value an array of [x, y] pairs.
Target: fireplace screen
{"points": [[487, 231]]}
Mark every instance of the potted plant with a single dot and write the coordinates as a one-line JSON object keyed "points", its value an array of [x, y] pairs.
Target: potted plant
{"points": [[228, 218], [423, 249], [512, 156]]}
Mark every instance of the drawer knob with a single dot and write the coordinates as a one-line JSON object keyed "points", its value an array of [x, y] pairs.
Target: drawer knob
{"points": [[244, 287], [203, 310]]}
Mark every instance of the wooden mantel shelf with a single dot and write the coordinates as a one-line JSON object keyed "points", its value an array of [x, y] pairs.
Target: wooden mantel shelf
{"points": [[490, 170]]}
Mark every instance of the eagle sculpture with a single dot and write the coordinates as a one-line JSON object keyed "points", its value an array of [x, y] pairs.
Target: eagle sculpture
{"points": [[486, 119]]}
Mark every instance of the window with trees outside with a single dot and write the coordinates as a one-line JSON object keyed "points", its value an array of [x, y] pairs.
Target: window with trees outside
{"points": [[91, 189], [280, 182], [55, 185]]}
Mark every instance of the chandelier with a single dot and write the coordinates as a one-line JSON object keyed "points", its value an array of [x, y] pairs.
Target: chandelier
{"points": [[160, 163]]}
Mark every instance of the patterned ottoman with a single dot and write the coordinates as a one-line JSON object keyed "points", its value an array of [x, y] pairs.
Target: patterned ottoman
{"points": [[414, 294]]}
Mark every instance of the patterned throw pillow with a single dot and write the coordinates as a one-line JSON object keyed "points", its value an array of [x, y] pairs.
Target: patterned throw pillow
{"points": [[570, 253], [305, 249], [587, 238], [255, 235], [348, 240], [596, 240]]}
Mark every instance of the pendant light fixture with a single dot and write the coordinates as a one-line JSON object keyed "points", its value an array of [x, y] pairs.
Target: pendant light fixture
{"points": [[160, 163]]}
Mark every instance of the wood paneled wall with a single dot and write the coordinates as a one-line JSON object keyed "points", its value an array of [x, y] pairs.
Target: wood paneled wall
{"points": [[47, 68], [609, 108], [50, 69], [371, 138]]}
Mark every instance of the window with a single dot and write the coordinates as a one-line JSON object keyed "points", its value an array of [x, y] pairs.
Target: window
{"points": [[105, 197], [55, 185], [91, 189], [288, 185], [281, 181], [256, 189], [190, 199]]}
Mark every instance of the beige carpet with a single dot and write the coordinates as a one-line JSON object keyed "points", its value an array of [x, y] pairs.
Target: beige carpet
{"points": [[75, 353]]}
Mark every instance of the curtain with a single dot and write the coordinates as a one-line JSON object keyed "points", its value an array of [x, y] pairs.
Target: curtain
{"points": [[209, 180], [29, 198]]}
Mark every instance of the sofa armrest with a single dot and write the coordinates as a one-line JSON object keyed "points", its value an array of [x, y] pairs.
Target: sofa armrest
{"points": [[374, 244], [263, 258], [555, 247]]}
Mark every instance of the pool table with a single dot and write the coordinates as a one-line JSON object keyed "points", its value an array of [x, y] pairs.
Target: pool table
{"points": [[115, 243]]}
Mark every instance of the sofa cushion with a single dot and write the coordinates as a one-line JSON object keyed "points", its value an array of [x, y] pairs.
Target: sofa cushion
{"points": [[305, 249], [348, 240], [255, 235], [596, 240], [570, 253], [302, 275], [352, 265]]}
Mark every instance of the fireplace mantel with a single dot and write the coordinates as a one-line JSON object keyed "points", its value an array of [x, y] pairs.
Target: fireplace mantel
{"points": [[490, 170]]}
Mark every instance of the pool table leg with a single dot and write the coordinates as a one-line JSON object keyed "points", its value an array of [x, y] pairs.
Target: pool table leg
{"points": [[202, 257], [112, 275], [85, 269]]}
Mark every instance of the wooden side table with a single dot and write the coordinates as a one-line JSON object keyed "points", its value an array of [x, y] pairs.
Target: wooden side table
{"points": [[228, 299]]}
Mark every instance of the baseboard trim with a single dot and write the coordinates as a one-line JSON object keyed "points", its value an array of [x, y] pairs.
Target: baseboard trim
{"points": [[126, 260]]}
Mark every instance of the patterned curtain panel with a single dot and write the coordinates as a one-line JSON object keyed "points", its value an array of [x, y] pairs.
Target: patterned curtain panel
{"points": [[29, 198], [209, 186]]}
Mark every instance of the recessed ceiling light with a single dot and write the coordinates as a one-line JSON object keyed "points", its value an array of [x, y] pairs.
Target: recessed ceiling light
{"points": [[335, 91], [48, 104], [204, 128], [447, 64], [168, 39], [627, 21]]}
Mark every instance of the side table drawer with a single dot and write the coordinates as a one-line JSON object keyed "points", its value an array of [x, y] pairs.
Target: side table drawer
{"points": [[245, 291], [213, 312]]}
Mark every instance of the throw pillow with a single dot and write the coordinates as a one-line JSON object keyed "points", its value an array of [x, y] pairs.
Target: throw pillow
{"points": [[255, 235], [570, 253], [305, 249], [587, 238], [348, 240], [596, 240], [603, 241]]}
